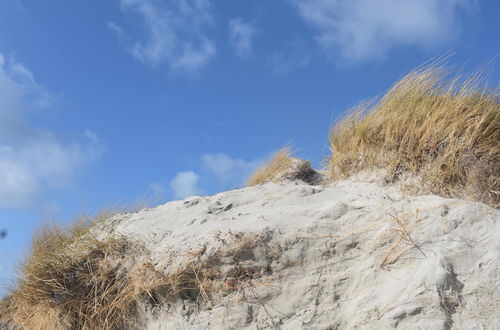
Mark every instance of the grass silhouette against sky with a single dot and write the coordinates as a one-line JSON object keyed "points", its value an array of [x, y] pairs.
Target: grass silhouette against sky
{"points": [[106, 102]]}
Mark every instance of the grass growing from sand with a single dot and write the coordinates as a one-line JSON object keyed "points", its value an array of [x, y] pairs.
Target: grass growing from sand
{"points": [[280, 161], [443, 128], [74, 279]]}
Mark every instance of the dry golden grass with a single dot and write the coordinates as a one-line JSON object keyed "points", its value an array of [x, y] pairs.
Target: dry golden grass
{"points": [[73, 279], [441, 128], [200, 279], [403, 242], [279, 163]]}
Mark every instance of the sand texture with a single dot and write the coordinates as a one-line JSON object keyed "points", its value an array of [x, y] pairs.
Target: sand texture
{"points": [[352, 255]]}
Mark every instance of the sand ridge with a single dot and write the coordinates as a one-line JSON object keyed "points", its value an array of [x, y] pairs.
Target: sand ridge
{"points": [[351, 255]]}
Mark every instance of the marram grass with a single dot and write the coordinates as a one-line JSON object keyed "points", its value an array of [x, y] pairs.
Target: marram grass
{"points": [[74, 279], [279, 163], [443, 129]]}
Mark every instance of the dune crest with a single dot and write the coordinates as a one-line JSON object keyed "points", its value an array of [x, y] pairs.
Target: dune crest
{"points": [[297, 256]]}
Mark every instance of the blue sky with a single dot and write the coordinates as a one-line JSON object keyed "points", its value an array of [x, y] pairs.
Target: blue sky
{"points": [[105, 102]]}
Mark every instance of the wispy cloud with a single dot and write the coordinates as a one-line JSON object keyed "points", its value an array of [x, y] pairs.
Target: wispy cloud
{"points": [[174, 33], [241, 37], [32, 159], [157, 191], [293, 57], [367, 29], [185, 184], [217, 172], [230, 172]]}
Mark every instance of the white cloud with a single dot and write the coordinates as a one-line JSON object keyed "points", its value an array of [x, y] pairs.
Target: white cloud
{"points": [[195, 58], [174, 33], [157, 191], [293, 57], [185, 184], [240, 36], [366, 29], [229, 171], [219, 171], [33, 160]]}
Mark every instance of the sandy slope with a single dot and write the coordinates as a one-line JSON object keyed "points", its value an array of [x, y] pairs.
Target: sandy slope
{"points": [[352, 255], [349, 256]]}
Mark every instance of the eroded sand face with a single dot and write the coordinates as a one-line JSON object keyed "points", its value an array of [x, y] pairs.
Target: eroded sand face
{"points": [[352, 255]]}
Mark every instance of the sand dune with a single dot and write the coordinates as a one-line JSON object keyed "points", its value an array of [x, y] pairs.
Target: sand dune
{"points": [[352, 255], [360, 245]]}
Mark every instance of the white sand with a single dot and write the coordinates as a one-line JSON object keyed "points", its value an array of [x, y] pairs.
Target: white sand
{"points": [[328, 244]]}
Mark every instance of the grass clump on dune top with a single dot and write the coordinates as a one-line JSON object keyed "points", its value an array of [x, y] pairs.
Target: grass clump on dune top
{"points": [[443, 129], [270, 172]]}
